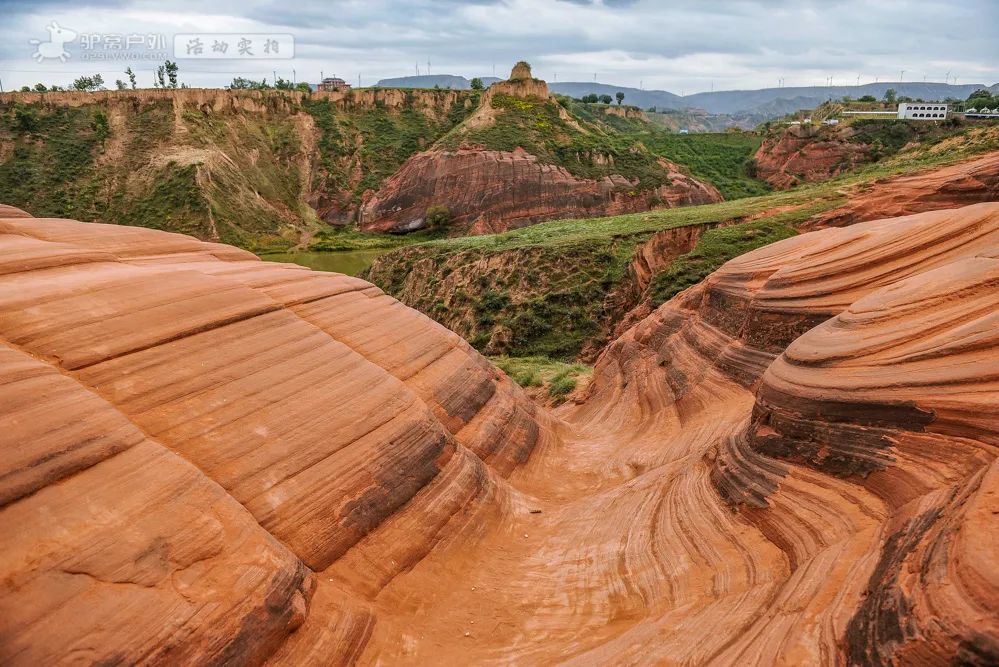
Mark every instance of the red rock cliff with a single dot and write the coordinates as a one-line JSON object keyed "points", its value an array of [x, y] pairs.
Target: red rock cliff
{"points": [[492, 191], [805, 153]]}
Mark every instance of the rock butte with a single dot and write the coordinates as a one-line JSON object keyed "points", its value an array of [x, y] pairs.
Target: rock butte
{"points": [[208, 458], [489, 191]]}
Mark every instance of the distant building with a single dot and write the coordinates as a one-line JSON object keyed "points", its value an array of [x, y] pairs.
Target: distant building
{"points": [[831, 121], [922, 111], [333, 84]]}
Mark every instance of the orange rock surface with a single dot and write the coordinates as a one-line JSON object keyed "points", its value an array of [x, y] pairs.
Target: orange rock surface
{"points": [[208, 458]]}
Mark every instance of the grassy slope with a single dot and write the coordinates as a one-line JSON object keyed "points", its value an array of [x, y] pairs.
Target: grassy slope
{"points": [[610, 144], [718, 158], [234, 178], [535, 124], [548, 283], [373, 143], [339, 239]]}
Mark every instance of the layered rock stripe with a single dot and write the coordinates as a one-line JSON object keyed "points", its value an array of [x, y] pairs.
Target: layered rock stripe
{"points": [[207, 458], [494, 191]]}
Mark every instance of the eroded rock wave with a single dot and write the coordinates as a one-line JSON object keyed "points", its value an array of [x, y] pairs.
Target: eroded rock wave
{"points": [[208, 458], [190, 434]]}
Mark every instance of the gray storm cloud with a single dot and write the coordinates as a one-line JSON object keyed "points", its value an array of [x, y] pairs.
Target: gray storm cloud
{"points": [[676, 46]]}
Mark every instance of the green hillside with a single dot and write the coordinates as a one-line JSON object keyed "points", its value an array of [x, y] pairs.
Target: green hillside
{"points": [[253, 175]]}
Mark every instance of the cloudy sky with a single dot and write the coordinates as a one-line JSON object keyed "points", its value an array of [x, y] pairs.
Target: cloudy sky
{"points": [[684, 46]]}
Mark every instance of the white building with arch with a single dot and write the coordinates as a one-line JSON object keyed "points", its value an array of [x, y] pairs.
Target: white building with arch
{"points": [[922, 111]]}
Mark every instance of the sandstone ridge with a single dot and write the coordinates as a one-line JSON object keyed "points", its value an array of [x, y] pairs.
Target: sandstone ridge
{"points": [[208, 458]]}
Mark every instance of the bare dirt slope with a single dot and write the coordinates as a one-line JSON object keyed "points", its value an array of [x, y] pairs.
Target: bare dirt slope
{"points": [[210, 459]]}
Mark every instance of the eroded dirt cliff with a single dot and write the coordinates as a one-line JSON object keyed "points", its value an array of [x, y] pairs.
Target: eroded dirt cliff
{"points": [[208, 458], [804, 153]]}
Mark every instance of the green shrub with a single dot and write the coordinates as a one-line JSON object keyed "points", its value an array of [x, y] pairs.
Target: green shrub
{"points": [[437, 217], [562, 384]]}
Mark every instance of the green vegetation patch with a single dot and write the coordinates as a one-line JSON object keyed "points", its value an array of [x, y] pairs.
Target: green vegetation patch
{"points": [[340, 239], [537, 125], [559, 378], [723, 159], [53, 150], [374, 142]]}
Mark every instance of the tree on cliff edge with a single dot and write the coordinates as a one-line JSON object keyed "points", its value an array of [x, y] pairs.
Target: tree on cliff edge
{"points": [[89, 83], [620, 97], [171, 72], [477, 84]]}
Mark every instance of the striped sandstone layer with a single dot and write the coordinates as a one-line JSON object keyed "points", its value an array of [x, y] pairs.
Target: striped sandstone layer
{"points": [[212, 459]]}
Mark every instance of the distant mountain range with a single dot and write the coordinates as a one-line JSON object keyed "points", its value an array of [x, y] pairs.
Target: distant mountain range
{"points": [[764, 103]]}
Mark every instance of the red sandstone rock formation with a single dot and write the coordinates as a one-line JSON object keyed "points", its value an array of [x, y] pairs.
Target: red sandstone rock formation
{"points": [[493, 191], [207, 458], [805, 154], [190, 435], [960, 184]]}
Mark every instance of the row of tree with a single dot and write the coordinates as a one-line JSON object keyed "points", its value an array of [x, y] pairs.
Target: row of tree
{"points": [[978, 99], [165, 76], [240, 83], [593, 98]]}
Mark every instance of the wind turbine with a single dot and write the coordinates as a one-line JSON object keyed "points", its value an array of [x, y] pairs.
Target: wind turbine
{"points": [[901, 76], [858, 80], [947, 77]]}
